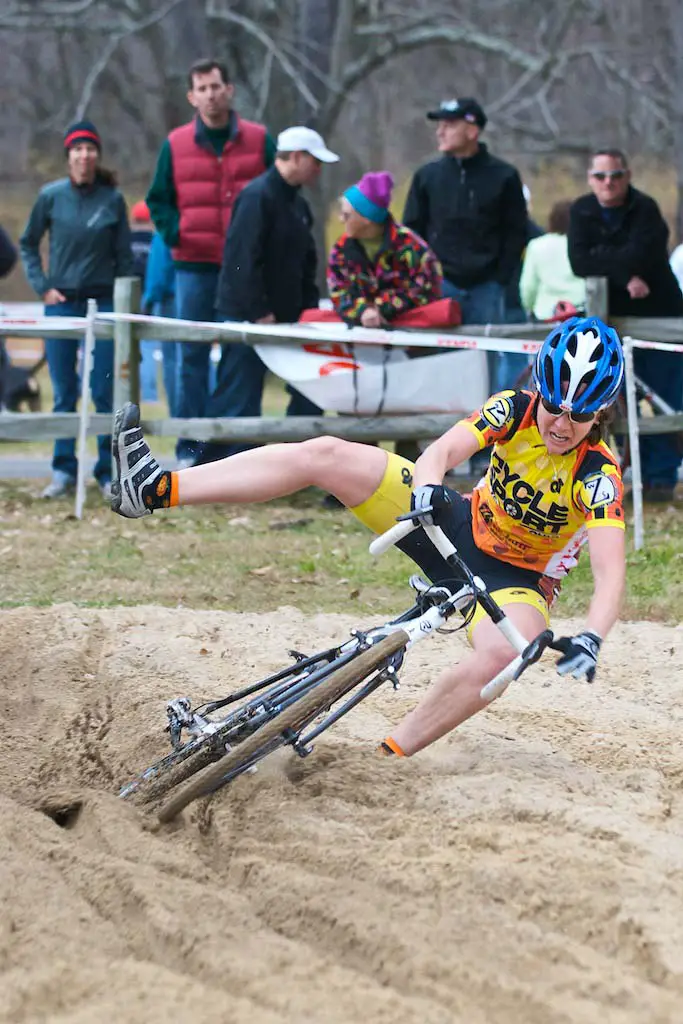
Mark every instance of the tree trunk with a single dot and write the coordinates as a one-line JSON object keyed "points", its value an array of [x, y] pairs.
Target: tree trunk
{"points": [[676, 16], [324, 30]]}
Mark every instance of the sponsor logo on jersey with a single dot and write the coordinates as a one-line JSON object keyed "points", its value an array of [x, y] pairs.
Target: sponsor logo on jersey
{"points": [[523, 502], [497, 411], [598, 490]]}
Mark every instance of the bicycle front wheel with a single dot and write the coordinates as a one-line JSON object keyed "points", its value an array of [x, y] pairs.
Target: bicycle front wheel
{"points": [[271, 735]]}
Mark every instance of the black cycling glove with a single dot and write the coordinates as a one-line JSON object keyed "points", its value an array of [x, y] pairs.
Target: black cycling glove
{"points": [[579, 655], [435, 496]]}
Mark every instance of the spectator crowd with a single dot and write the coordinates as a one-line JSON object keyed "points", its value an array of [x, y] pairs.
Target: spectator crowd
{"points": [[225, 233]]}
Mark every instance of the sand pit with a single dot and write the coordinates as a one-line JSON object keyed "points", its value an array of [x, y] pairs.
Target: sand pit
{"points": [[529, 869]]}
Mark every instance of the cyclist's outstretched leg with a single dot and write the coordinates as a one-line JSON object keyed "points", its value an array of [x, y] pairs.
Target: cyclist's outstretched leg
{"points": [[455, 696], [350, 471]]}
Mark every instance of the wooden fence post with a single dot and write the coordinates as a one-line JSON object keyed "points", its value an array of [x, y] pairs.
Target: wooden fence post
{"points": [[126, 344], [596, 297]]}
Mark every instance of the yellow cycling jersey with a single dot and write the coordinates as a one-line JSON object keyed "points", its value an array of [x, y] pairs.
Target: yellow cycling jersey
{"points": [[533, 509]]}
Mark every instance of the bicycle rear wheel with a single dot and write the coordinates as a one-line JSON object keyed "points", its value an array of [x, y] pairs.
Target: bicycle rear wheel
{"points": [[271, 736]]}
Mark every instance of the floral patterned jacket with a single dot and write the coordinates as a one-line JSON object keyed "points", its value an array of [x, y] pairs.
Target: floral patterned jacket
{"points": [[404, 274]]}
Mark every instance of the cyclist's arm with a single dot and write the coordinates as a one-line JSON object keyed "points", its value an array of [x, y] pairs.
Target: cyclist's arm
{"points": [[606, 547], [455, 446]]}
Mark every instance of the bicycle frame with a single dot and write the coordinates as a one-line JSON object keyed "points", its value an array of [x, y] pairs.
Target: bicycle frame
{"points": [[282, 688]]}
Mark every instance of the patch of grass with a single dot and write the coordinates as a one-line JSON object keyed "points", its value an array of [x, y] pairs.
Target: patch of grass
{"points": [[257, 558]]}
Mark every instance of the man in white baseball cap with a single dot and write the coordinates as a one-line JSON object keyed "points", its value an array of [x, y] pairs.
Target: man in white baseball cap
{"points": [[268, 274], [304, 140]]}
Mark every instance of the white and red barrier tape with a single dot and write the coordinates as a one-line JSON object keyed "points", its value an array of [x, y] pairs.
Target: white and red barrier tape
{"points": [[299, 332]]}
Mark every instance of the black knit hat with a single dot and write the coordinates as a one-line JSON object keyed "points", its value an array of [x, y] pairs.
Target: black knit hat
{"points": [[82, 131]]}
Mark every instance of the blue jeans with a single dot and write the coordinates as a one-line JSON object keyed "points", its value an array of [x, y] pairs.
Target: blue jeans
{"points": [[62, 354], [481, 304], [660, 455], [506, 368], [484, 304], [148, 371], [195, 299], [239, 392], [169, 355]]}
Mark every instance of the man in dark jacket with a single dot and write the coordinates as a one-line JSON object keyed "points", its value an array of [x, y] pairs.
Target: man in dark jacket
{"points": [[469, 207], [268, 273], [619, 233]]}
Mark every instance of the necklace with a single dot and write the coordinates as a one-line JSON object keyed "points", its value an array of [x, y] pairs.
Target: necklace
{"points": [[546, 462]]}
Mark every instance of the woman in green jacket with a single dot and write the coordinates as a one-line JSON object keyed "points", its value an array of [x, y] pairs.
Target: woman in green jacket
{"points": [[547, 277], [85, 217]]}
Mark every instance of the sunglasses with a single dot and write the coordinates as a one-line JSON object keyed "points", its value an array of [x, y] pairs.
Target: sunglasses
{"points": [[575, 417], [608, 175]]}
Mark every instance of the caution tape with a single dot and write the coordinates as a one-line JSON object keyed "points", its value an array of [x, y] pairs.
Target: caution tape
{"points": [[274, 333]]}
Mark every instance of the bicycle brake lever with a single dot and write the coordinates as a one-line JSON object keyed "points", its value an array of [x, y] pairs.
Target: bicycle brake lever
{"points": [[415, 514], [532, 653]]}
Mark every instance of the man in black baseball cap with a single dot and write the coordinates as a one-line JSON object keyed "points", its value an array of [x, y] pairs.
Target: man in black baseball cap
{"points": [[464, 109], [469, 207]]}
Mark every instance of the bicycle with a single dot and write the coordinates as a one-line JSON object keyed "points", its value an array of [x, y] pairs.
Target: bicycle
{"points": [[285, 708]]}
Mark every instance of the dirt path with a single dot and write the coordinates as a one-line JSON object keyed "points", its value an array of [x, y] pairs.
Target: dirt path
{"points": [[527, 871]]}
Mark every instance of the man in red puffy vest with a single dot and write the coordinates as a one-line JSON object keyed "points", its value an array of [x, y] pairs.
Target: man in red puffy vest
{"points": [[202, 168]]}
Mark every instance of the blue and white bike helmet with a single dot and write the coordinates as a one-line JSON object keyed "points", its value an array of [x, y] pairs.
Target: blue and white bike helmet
{"points": [[580, 366]]}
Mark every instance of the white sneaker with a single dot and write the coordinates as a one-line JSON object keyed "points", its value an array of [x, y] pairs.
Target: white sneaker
{"points": [[134, 465], [61, 486]]}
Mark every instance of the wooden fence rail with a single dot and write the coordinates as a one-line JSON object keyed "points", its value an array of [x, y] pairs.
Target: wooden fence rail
{"points": [[128, 333], [45, 426]]}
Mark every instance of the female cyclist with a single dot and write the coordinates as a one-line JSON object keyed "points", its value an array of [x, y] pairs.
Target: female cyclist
{"points": [[551, 486]]}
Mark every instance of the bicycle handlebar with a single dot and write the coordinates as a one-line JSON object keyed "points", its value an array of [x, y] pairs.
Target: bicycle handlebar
{"points": [[392, 536], [406, 525]]}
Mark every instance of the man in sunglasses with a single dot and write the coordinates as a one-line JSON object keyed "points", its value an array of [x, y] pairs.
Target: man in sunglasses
{"points": [[619, 233]]}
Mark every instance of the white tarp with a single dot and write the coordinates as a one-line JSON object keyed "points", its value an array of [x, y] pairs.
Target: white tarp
{"points": [[357, 379]]}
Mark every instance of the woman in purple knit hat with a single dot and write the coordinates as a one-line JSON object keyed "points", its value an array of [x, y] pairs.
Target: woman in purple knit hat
{"points": [[378, 268]]}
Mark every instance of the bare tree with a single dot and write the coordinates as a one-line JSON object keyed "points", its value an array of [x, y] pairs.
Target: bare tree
{"points": [[556, 76]]}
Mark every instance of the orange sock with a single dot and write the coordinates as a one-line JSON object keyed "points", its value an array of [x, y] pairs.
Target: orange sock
{"points": [[389, 746], [174, 489]]}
